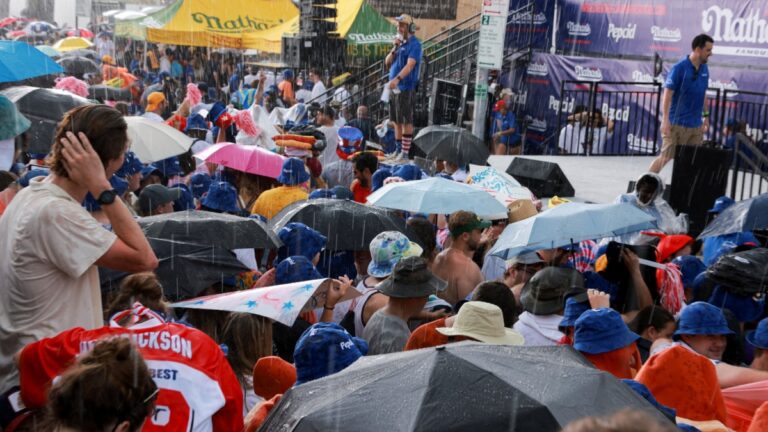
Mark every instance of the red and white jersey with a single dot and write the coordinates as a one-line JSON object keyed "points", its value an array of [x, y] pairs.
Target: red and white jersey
{"points": [[198, 389]]}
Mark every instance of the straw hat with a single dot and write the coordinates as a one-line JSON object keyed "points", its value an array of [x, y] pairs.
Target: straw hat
{"points": [[483, 322], [521, 209]]}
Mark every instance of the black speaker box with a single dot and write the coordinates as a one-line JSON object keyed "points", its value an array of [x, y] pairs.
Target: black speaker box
{"points": [[699, 177], [544, 179]]}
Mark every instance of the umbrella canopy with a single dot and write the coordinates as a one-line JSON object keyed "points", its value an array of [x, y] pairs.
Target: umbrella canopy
{"points": [[104, 92], [19, 61], [743, 273], [459, 386], [87, 53], [347, 225], [81, 32], [44, 108], [453, 144], [282, 303], [743, 216], [436, 195], [245, 158], [48, 50], [72, 43], [78, 66], [153, 141], [184, 269], [501, 185], [39, 27], [212, 229], [570, 223]]}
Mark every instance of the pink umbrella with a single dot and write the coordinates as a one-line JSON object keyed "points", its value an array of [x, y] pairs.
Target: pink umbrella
{"points": [[245, 158]]}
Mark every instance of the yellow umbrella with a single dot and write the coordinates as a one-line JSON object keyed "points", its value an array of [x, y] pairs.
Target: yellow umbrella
{"points": [[72, 43]]}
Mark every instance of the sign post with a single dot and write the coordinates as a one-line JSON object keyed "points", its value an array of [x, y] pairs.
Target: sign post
{"points": [[490, 54]]}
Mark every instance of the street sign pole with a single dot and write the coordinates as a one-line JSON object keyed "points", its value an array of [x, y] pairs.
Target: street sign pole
{"points": [[490, 54]]}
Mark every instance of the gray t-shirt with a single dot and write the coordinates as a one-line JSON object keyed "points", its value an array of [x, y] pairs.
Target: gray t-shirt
{"points": [[339, 173], [386, 333]]}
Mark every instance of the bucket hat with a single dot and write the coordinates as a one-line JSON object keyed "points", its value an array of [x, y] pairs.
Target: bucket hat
{"points": [[377, 180], [12, 122], [299, 239], [199, 184], [545, 292], [701, 318], [690, 267], [293, 172], [599, 331], [131, 165], [758, 338], [341, 192], [221, 196], [744, 308], [324, 349], [31, 174], [295, 269], [483, 322], [407, 172], [321, 193], [574, 308], [185, 201], [387, 249], [196, 122], [411, 278]]}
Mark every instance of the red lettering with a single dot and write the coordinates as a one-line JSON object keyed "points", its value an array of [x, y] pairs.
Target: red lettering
{"points": [[624, 9]]}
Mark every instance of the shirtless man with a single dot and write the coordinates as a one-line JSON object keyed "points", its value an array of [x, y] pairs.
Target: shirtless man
{"points": [[455, 264]]}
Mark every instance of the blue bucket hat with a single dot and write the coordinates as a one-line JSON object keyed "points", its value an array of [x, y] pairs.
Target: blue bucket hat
{"points": [[295, 268], [120, 186], [185, 201], [14, 123], [324, 349], [199, 184], [221, 196], [601, 330], [321, 193], [217, 109], [702, 318], [169, 167], [293, 172], [574, 308], [721, 204], [287, 74], [299, 239], [377, 180], [196, 122], [29, 175], [341, 192], [408, 172], [149, 169], [745, 309], [690, 267], [131, 165], [333, 264], [758, 338]]}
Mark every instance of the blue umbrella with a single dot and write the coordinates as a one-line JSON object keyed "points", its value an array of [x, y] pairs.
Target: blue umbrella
{"points": [[570, 223], [436, 195], [19, 61], [743, 216]]}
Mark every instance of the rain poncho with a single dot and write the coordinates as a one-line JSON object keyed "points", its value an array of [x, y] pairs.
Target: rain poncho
{"points": [[658, 208]]}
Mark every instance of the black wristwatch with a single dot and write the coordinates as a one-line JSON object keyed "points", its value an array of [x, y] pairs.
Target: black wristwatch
{"points": [[107, 197]]}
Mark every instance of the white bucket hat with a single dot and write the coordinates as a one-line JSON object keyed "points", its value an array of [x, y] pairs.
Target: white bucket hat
{"points": [[483, 322]]}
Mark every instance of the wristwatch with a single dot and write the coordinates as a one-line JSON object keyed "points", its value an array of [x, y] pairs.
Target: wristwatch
{"points": [[107, 197]]}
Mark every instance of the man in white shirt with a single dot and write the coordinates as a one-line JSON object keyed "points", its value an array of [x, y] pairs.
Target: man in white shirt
{"points": [[325, 120], [165, 61], [105, 46], [318, 89]]}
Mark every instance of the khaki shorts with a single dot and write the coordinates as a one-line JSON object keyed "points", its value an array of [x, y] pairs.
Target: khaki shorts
{"points": [[680, 135]]}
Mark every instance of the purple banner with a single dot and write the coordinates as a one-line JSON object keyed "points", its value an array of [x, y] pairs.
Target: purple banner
{"points": [[519, 29]]}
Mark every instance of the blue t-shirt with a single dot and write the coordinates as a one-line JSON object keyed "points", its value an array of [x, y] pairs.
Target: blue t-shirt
{"points": [[690, 87], [508, 121], [410, 49]]}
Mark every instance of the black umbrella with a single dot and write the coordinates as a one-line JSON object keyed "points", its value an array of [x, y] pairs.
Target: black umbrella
{"points": [[744, 273], [457, 387], [184, 269], [747, 215], [83, 52], [212, 229], [103, 92], [453, 144], [44, 108], [78, 66], [347, 224]]}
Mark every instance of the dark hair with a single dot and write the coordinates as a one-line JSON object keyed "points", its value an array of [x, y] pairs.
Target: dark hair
{"points": [[425, 236], [248, 338], [144, 288], [366, 160], [105, 128], [111, 384], [327, 110], [123, 107], [6, 179], [648, 180], [651, 316], [499, 294], [701, 41]]}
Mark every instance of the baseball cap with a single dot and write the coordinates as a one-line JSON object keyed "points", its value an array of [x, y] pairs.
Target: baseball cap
{"points": [[154, 99], [324, 349], [155, 195], [721, 204], [387, 249]]}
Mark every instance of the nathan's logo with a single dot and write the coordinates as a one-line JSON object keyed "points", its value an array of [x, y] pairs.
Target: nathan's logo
{"points": [[663, 34], [589, 74], [373, 38], [644, 79], [215, 23], [576, 29], [538, 69], [525, 18], [721, 24], [538, 125], [731, 86], [618, 33]]}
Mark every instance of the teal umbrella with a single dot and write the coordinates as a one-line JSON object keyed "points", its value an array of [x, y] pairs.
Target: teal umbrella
{"points": [[48, 50], [19, 61]]}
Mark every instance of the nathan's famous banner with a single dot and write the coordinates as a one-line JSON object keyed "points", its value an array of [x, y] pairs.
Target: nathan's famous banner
{"points": [[631, 105], [642, 27]]}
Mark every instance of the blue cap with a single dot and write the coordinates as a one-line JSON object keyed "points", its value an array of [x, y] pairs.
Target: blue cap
{"points": [[287, 74], [131, 165], [321, 193], [293, 172], [573, 310], [643, 391], [169, 167], [299, 239], [744, 308], [147, 170], [407, 172], [185, 201], [199, 184], [601, 330], [721, 204], [690, 267], [701, 318], [377, 180], [29, 175], [341, 192], [196, 122], [758, 338], [295, 268], [221, 196], [324, 349]]}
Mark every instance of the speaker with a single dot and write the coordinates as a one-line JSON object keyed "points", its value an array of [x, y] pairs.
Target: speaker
{"points": [[699, 177], [322, 52], [544, 179]]}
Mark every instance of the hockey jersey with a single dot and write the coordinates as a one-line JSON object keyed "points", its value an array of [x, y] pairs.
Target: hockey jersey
{"points": [[198, 389]]}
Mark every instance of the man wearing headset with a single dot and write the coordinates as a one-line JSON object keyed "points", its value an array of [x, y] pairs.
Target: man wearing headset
{"points": [[404, 60]]}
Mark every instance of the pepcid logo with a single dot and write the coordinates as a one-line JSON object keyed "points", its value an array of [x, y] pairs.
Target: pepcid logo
{"points": [[618, 33], [577, 29], [538, 69], [589, 74], [663, 34], [538, 125], [525, 18]]}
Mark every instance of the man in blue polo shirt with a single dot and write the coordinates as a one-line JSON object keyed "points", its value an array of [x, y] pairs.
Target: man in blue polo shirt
{"points": [[404, 60], [684, 103]]}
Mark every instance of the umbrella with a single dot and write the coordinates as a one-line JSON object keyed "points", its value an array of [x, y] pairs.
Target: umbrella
{"points": [[184, 269], [570, 223], [245, 158], [72, 43], [48, 50], [87, 53], [282, 303], [78, 66], [347, 225], [453, 144], [501, 185], [39, 27], [743, 273], [104, 92], [153, 141], [45, 109], [213, 229], [5, 22], [81, 32], [456, 387], [436, 195], [19, 61], [747, 215]]}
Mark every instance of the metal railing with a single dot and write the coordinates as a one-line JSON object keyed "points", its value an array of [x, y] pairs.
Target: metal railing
{"points": [[743, 125]]}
